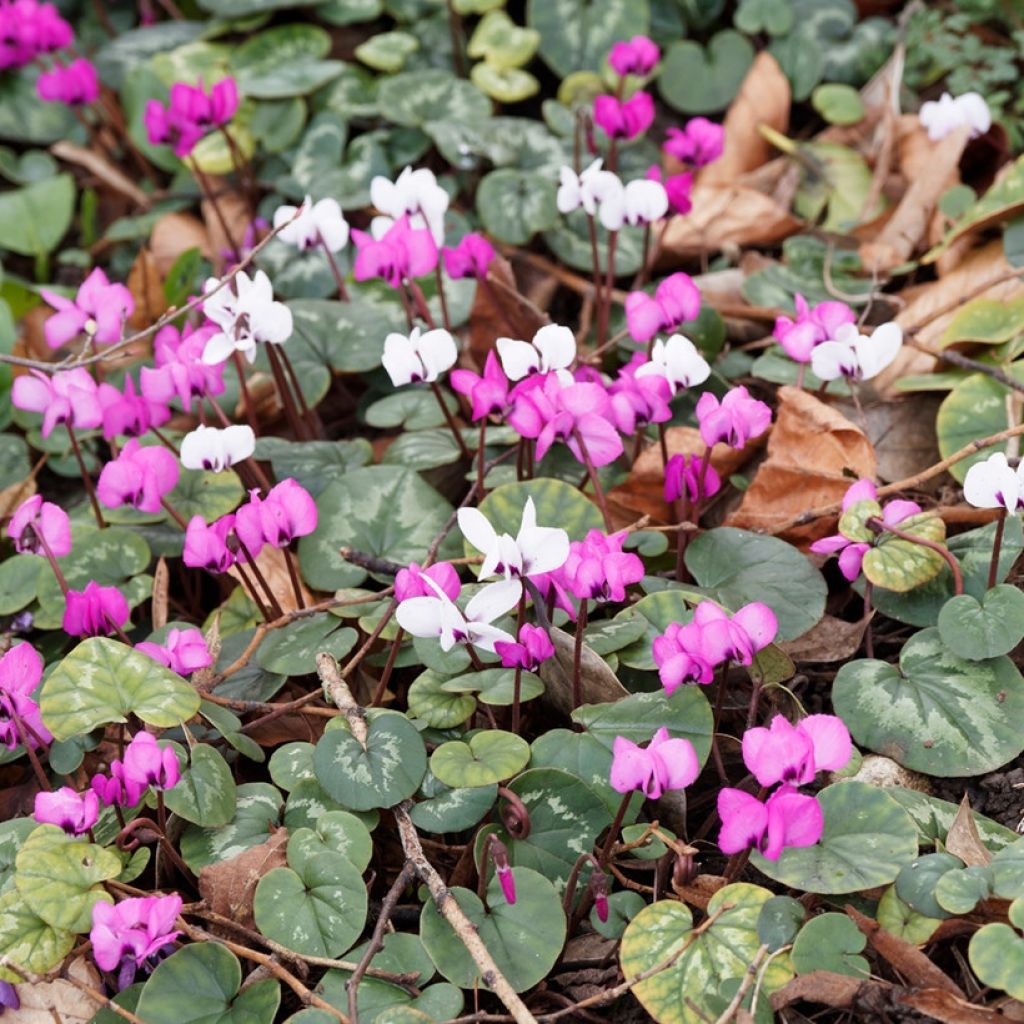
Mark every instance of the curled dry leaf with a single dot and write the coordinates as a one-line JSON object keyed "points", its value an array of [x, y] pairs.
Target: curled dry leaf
{"points": [[44, 1002], [643, 493], [271, 562], [228, 885], [764, 98], [836, 990], [944, 1006], [814, 454], [963, 840]]}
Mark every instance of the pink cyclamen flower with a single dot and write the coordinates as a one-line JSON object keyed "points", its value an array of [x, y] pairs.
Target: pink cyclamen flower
{"points": [[701, 142], [99, 310], [636, 56], [665, 763], [402, 253], [638, 399], [139, 476], [470, 258], [811, 327], [737, 637], [206, 546], [734, 420], [675, 300], [692, 476], [488, 392], [794, 754], [287, 512], [36, 517], [67, 809], [190, 114], [851, 552], [530, 652], [682, 657], [786, 818], [180, 371], [95, 611], [133, 933], [409, 582], [75, 85], [146, 764], [184, 651], [624, 120], [67, 396], [129, 413], [597, 568], [677, 187], [29, 29], [21, 668], [111, 789]]}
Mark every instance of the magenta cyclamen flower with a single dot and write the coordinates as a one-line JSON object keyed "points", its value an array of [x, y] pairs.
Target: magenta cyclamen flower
{"points": [[206, 546], [147, 764], [403, 252], [624, 120], [682, 657], [99, 310], [639, 399], [664, 764], [74, 812], [95, 611], [689, 475], [409, 582], [21, 668], [737, 637], [190, 114], [36, 518], [139, 476], [488, 393], [532, 650], [76, 85], [128, 413], [734, 420], [675, 300], [851, 552], [637, 56], [112, 789], [180, 371], [470, 258], [68, 396], [811, 327], [548, 411], [132, 933], [677, 187], [28, 29], [795, 754], [184, 651], [287, 512], [598, 569], [700, 142], [786, 818]]}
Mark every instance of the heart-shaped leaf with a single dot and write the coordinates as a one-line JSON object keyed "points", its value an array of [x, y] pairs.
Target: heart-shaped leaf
{"points": [[936, 713], [699, 80], [977, 630], [429, 701], [525, 938], [199, 985], [205, 794], [483, 759], [496, 686], [898, 564], [452, 810], [996, 953], [514, 205], [867, 838], [103, 681], [960, 891], [577, 34], [383, 774], [900, 919], [292, 649], [830, 942], [27, 940], [414, 97], [258, 809], [210, 495], [313, 463], [974, 408], [915, 884], [335, 832]]}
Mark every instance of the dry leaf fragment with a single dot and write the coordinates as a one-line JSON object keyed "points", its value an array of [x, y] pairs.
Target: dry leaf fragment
{"points": [[174, 234], [814, 454], [963, 840], [147, 288], [228, 886], [161, 583], [951, 1009], [598, 683], [830, 640], [837, 990], [45, 1002], [271, 563]]}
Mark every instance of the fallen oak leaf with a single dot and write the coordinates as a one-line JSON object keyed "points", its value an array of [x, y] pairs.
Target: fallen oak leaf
{"points": [[963, 839]]}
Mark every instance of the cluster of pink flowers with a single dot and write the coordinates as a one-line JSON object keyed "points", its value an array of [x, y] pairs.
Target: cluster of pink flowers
{"points": [[789, 756], [675, 300], [133, 934], [140, 477], [183, 651], [285, 514], [28, 30], [698, 143], [190, 114], [812, 326], [145, 765]]}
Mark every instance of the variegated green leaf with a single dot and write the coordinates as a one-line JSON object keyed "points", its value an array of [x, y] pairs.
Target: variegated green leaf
{"points": [[27, 940], [485, 758], [205, 794], [900, 565]]}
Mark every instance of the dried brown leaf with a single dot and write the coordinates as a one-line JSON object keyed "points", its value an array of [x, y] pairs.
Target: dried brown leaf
{"points": [[949, 1008], [963, 840], [45, 1002], [499, 310], [836, 990], [174, 234], [161, 583], [598, 683], [271, 563], [829, 641], [228, 886], [814, 454], [764, 98]]}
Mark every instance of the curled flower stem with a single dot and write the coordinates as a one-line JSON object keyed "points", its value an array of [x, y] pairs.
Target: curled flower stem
{"points": [[594, 479], [86, 478], [997, 543], [514, 816], [940, 549]]}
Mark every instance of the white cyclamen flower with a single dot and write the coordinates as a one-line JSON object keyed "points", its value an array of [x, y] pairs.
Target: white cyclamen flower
{"points": [[678, 361], [856, 356], [440, 617], [535, 549], [214, 449], [642, 201], [553, 348], [246, 317], [995, 484], [942, 116], [414, 192], [317, 223], [418, 357], [588, 188]]}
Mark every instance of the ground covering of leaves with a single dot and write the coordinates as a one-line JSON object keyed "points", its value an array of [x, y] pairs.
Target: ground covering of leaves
{"points": [[352, 800]]}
